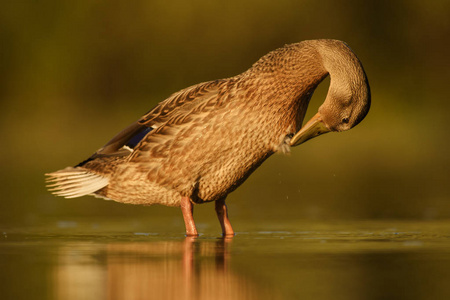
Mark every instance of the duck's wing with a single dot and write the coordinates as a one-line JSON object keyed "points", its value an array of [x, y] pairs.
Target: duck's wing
{"points": [[173, 117], [178, 108]]}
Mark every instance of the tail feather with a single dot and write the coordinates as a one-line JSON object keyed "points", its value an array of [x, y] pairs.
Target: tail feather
{"points": [[74, 182]]}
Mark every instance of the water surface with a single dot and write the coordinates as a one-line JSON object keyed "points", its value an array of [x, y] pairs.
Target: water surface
{"points": [[334, 260]]}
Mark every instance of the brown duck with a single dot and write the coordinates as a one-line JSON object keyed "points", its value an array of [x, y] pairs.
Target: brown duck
{"points": [[202, 142]]}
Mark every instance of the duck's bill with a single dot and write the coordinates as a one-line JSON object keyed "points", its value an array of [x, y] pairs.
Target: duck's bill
{"points": [[311, 129]]}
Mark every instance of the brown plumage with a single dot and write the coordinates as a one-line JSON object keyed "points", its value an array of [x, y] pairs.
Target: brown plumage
{"points": [[201, 143]]}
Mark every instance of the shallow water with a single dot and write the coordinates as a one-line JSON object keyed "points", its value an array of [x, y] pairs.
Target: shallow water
{"points": [[334, 260]]}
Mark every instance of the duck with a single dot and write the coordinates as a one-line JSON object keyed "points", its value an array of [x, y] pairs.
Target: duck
{"points": [[203, 142]]}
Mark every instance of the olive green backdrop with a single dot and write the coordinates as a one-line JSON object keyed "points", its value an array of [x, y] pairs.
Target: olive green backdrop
{"points": [[74, 73]]}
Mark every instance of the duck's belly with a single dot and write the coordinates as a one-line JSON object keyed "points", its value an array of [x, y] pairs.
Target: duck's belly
{"points": [[228, 176], [131, 186]]}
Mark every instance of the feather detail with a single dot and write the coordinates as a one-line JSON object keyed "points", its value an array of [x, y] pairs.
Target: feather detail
{"points": [[200, 98], [173, 118], [74, 182]]}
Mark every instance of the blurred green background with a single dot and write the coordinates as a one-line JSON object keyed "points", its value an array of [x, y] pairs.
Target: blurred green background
{"points": [[74, 73]]}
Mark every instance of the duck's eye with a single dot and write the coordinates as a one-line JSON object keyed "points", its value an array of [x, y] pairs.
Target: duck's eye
{"points": [[345, 120]]}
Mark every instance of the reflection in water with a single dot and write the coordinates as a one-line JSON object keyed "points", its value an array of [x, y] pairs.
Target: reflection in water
{"points": [[163, 269], [358, 260]]}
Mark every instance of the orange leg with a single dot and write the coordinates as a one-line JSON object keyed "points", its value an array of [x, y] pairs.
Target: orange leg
{"points": [[187, 208], [222, 214]]}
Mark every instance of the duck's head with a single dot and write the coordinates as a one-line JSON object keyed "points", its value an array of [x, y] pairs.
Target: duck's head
{"points": [[348, 99]]}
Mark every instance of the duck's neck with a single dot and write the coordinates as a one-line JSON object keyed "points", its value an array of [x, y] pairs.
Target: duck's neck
{"points": [[289, 72], [285, 80], [300, 67]]}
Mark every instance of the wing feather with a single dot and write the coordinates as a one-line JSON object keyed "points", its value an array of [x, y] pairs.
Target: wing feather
{"points": [[184, 103], [161, 124], [170, 117]]}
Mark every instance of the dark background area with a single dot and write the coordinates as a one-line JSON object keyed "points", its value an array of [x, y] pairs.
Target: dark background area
{"points": [[73, 74]]}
